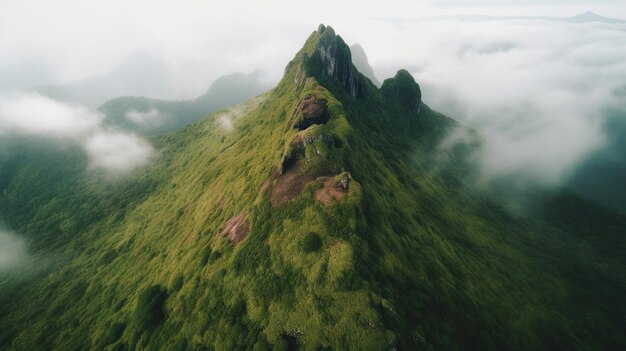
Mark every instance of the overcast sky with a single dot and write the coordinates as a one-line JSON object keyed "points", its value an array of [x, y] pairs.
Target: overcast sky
{"points": [[46, 42], [538, 89]]}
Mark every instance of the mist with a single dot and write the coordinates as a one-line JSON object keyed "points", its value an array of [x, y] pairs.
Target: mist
{"points": [[13, 252], [34, 115], [540, 104]]}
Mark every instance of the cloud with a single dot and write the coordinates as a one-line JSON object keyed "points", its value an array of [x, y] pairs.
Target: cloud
{"points": [[13, 251], [539, 92], [140, 117], [31, 114], [226, 118], [119, 152], [226, 122]]}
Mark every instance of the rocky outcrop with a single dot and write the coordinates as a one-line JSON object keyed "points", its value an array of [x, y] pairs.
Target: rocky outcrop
{"points": [[236, 228], [331, 59], [298, 148], [311, 111], [333, 188], [403, 91]]}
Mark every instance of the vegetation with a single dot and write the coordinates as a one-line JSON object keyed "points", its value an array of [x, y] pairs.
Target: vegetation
{"points": [[413, 257], [149, 312], [163, 116]]}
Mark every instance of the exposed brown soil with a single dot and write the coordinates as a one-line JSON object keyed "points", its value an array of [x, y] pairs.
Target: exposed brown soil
{"points": [[289, 185], [331, 190], [314, 111], [236, 229]]}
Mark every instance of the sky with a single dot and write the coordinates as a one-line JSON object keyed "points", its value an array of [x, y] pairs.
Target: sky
{"points": [[67, 40], [538, 90]]}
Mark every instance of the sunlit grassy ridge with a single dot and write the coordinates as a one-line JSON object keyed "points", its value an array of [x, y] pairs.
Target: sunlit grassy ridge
{"points": [[412, 257]]}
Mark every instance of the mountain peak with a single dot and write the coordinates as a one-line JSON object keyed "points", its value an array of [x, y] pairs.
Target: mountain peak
{"points": [[591, 16], [404, 89], [327, 57], [361, 62]]}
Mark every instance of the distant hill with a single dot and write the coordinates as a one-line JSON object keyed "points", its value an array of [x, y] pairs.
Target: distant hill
{"points": [[152, 116], [142, 73], [591, 16], [585, 17]]}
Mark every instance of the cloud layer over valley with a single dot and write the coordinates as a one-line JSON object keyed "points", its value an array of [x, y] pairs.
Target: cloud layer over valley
{"points": [[34, 115], [539, 91]]}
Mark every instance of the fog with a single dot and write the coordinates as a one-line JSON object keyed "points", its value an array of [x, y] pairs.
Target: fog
{"points": [[34, 115], [13, 251], [538, 90]]}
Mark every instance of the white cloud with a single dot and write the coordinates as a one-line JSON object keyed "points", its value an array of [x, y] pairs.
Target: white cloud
{"points": [[31, 114], [539, 91], [140, 117], [12, 251], [115, 151], [225, 121]]}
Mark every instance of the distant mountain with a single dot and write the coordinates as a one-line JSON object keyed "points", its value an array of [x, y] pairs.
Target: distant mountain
{"points": [[590, 16], [153, 116], [324, 214], [142, 73], [585, 17], [359, 58]]}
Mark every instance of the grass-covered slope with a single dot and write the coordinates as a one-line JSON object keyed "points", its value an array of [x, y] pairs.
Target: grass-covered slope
{"points": [[328, 218]]}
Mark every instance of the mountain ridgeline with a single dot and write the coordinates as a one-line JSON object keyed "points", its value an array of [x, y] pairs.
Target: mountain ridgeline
{"points": [[329, 218], [153, 116]]}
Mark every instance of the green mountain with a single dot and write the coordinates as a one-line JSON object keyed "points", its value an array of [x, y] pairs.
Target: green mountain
{"points": [[153, 116], [330, 216]]}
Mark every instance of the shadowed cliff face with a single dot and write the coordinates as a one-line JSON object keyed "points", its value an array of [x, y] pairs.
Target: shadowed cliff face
{"points": [[331, 59]]}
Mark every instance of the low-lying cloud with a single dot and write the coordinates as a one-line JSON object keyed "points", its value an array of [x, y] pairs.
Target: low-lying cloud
{"points": [[116, 151], [13, 252], [31, 114], [538, 91], [140, 117]]}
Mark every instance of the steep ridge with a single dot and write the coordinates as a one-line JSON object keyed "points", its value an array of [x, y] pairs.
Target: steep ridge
{"points": [[328, 219]]}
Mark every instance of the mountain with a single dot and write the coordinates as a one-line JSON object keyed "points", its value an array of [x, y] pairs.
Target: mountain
{"points": [[152, 116], [360, 61], [325, 213], [142, 73], [591, 16], [585, 17]]}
